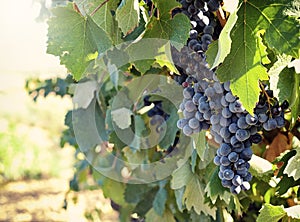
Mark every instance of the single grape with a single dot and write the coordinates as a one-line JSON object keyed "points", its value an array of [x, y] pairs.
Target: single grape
{"points": [[251, 120], [242, 172], [199, 116], [181, 123], [262, 117], [229, 97], [239, 163], [194, 123], [214, 119], [187, 130], [190, 106], [242, 135], [224, 161], [280, 121], [206, 38], [221, 175], [224, 132], [235, 189], [207, 115], [188, 92], [233, 157], [246, 154], [193, 34], [241, 123], [213, 5], [208, 30], [188, 115], [224, 121], [225, 149], [256, 138], [203, 107], [224, 102], [217, 160], [245, 185], [233, 128], [227, 86], [226, 183], [223, 168], [248, 177], [210, 92], [199, 4], [226, 113], [196, 98], [237, 180], [228, 174]]}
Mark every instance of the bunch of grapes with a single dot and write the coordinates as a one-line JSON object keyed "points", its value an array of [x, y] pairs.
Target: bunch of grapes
{"points": [[156, 113], [210, 104]]}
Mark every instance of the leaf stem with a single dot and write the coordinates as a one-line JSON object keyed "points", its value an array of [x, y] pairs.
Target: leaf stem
{"points": [[98, 7]]}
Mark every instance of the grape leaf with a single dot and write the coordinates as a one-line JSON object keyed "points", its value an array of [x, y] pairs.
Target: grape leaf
{"points": [[181, 176], [135, 192], [122, 117], [152, 216], [166, 27], [293, 212], [104, 17], [243, 63], [224, 41], [128, 15], [199, 143], [271, 213], [292, 168], [75, 39], [194, 198], [214, 189], [278, 81], [160, 201], [261, 168], [179, 197]]}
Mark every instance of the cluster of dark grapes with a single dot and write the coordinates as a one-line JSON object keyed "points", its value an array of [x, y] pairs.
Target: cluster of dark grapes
{"points": [[210, 104], [157, 114], [205, 27]]}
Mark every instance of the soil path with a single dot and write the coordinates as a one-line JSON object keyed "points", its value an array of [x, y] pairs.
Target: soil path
{"points": [[43, 200]]}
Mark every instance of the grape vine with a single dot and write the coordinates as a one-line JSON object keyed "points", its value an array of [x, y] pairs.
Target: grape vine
{"points": [[195, 105]]}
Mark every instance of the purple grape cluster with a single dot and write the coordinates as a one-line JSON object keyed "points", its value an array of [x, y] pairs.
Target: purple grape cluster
{"points": [[209, 104]]}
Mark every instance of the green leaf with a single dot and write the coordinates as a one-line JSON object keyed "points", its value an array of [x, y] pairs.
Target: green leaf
{"points": [[215, 190], [164, 27], [271, 213], [75, 39], [122, 117], [135, 192], [292, 168], [224, 41], [293, 212], [243, 63], [199, 143], [261, 168], [152, 216], [128, 15], [278, 81], [104, 17], [194, 198], [181, 176], [146, 202], [160, 201], [295, 100], [179, 197]]}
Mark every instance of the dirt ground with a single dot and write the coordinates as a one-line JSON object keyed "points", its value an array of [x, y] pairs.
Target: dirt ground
{"points": [[43, 200]]}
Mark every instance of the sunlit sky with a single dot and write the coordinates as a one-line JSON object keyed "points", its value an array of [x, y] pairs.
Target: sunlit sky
{"points": [[22, 39]]}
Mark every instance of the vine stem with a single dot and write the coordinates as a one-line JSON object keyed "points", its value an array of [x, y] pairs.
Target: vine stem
{"points": [[98, 7], [221, 16], [266, 94]]}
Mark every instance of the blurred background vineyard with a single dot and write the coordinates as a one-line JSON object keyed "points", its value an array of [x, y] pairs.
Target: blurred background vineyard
{"points": [[34, 170]]}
